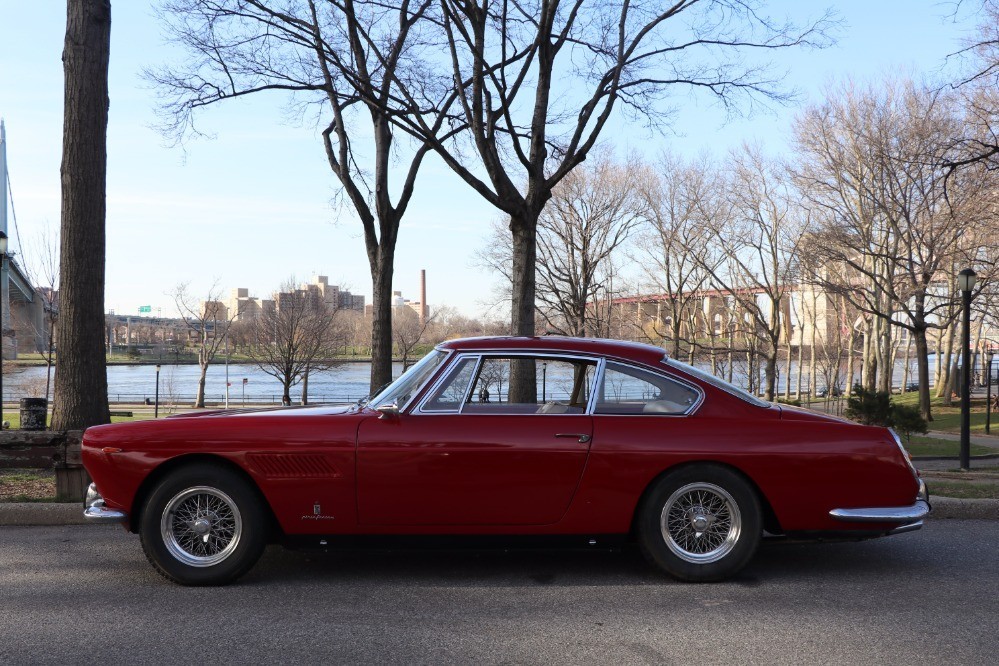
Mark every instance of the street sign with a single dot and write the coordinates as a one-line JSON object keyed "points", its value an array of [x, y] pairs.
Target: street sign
{"points": [[144, 309]]}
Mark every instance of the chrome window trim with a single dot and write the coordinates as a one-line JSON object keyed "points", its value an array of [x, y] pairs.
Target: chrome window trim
{"points": [[461, 356], [669, 377], [669, 362], [483, 355], [420, 391]]}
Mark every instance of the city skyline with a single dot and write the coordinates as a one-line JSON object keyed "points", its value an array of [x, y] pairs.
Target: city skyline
{"points": [[254, 206]]}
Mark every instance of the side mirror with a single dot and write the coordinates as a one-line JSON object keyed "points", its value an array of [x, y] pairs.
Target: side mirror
{"points": [[388, 410]]}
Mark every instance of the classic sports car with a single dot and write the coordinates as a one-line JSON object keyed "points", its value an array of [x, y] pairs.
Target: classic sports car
{"points": [[588, 441]]}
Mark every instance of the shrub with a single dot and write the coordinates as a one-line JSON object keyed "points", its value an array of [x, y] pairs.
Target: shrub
{"points": [[906, 419], [869, 407]]}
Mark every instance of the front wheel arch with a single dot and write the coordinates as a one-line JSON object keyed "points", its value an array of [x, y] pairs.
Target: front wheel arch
{"points": [[191, 460]]}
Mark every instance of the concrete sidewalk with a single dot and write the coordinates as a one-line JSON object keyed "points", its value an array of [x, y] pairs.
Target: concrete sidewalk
{"points": [[991, 441], [50, 513]]}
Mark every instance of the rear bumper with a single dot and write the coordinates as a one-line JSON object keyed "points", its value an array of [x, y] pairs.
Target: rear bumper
{"points": [[95, 511], [906, 516]]}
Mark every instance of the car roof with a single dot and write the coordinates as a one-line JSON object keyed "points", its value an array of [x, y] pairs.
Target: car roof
{"points": [[635, 351]]}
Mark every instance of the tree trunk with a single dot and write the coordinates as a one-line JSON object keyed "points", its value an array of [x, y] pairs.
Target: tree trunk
{"points": [[886, 358], [524, 280], [906, 370], [851, 361], [944, 385], [305, 387], [797, 383], [81, 387], [381, 322], [923, 369], [199, 400], [787, 377], [286, 395]]}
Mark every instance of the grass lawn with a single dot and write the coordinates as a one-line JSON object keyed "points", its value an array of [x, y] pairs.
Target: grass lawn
{"points": [[928, 446], [963, 489], [948, 418]]}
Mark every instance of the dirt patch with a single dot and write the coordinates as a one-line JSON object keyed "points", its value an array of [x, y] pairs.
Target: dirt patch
{"points": [[27, 485]]}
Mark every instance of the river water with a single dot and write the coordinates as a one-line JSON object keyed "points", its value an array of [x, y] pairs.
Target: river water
{"points": [[344, 383], [179, 383]]}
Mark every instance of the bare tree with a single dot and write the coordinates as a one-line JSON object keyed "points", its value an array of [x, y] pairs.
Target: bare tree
{"points": [[344, 57], [681, 200], [209, 322], [299, 336], [44, 274], [537, 83], [591, 214], [753, 255], [408, 331], [81, 385], [890, 223]]}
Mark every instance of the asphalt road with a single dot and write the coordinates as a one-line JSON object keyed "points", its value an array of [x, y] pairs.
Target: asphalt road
{"points": [[85, 594]]}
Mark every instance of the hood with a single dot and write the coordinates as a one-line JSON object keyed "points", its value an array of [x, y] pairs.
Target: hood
{"points": [[312, 410]]}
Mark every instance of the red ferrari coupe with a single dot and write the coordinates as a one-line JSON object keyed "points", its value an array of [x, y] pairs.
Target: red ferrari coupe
{"points": [[555, 439]]}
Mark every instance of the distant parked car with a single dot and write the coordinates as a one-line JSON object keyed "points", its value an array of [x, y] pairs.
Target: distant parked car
{"points": [[826, 392], [911, 386], [587, 442]]}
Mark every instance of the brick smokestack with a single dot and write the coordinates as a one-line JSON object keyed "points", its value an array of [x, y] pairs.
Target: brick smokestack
{"points": [[424, 310]]}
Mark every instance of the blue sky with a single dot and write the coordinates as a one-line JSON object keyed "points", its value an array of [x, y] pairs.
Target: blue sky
{"points": [[254, 206]]}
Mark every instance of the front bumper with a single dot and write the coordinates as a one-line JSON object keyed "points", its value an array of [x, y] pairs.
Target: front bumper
{"points": [[95, 511], [906, 516]]}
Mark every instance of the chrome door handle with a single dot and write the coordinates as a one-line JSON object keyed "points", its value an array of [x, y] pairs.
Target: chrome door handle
{"points": [[581, 437]]}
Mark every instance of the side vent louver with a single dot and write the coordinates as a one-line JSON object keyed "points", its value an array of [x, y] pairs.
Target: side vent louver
{"points": [[292, 465]]}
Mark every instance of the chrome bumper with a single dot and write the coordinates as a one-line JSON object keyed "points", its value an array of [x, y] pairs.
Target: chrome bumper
{"points": [[95, 511], [906, 515]]}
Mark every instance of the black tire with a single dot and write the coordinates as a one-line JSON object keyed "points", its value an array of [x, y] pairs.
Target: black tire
{"points": [[203, 525], [715, 499]]}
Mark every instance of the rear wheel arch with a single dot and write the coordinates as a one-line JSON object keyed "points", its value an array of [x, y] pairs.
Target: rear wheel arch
{"points": [[770, 522]]}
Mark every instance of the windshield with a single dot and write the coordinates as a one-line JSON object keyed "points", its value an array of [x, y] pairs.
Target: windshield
{"points": [[402, 390], [717, 382]]}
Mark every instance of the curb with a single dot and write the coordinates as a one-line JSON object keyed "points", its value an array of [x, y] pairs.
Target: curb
{"points": [[25, 514], [41, 513], [964, 509]]}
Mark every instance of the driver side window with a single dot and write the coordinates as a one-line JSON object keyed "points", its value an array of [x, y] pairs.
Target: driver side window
{"points": [[515, 385]]}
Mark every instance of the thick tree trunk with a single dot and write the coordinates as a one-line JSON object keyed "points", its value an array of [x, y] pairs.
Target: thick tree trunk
{"points": [[523, 228], [923, 370], [381, 323], [770, 372], [81, 388], [199, 400], [305, 387], [286, 395]]}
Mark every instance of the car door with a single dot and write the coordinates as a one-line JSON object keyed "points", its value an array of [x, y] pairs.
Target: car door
{"points": [[476, 452]]}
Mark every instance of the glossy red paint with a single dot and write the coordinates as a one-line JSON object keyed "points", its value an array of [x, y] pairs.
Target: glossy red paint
{"points": [[337, 470]]}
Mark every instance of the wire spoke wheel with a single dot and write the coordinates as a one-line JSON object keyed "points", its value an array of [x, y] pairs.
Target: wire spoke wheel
{"points": [[201, 526], [701, 523]]}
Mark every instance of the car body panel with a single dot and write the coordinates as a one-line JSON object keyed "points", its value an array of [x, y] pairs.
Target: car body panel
{"points": [[353, 471]]}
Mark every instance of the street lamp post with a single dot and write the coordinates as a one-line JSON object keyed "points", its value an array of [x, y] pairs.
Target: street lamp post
{"points": [[966, 282], [156, 408], [3, 262], [988, 392]]}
